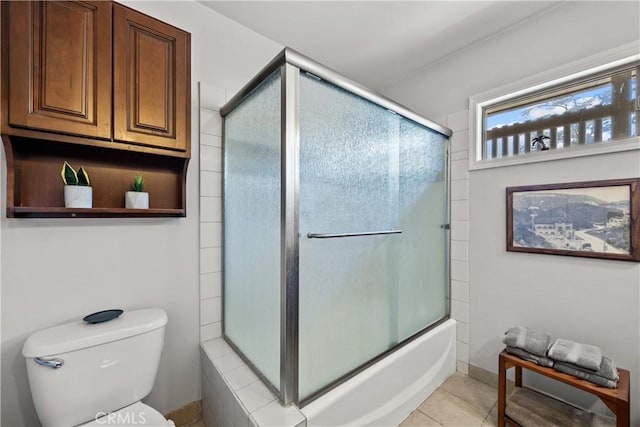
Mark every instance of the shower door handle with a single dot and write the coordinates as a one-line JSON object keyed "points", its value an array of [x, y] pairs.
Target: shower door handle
{"points": [[364, 233]]}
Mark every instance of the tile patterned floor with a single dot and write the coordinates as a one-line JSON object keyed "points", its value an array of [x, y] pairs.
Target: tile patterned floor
{"points": [[460, 402]]}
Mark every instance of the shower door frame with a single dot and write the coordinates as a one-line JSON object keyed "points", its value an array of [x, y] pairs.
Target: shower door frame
{"points": [[291, 64]]}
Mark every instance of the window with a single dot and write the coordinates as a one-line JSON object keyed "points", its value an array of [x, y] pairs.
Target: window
{"points": [[564, 117]]}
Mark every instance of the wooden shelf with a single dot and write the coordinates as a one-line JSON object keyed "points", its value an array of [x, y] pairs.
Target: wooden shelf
{"points": [[35, 189], [15, 132], [53, 212]]}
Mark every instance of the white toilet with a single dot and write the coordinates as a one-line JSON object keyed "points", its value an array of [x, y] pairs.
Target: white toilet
{"points": [[84, 374]]}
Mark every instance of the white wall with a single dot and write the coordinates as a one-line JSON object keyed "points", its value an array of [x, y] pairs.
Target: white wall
{"points": [[569, 32], [588, 300], [57, 270]]}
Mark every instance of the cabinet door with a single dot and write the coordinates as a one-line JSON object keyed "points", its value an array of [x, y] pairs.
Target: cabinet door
{"points": [[60, 66], [151, 81]]}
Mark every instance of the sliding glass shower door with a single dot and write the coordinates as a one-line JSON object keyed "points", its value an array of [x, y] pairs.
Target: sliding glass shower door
{"points": [[372, 206], [335, 226]]}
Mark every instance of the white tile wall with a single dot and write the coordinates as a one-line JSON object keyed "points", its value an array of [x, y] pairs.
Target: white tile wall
{"points": [[210, 158], [462, 332], [459, 170], [462, 352], [210, 121], [240, 377], [211, 99], [210, 209], [459, 190], [459, 124], [210, 235], [460, 311], [255, 395], [232, 395], [210, 331], [210, 140], [210, 184], [210, 310], [210, 260], [274, 415], [211, 285], [460, 210], [459, 291], [462, 367], [460, 250]]}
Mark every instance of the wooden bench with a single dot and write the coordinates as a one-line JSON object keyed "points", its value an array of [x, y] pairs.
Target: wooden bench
{"points": [[616, 399]]}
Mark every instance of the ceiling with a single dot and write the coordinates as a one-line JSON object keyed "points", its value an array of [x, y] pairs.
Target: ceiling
{"points": [[379, 43]]}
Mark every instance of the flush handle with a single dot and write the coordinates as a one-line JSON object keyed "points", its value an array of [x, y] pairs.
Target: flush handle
{"points": [[53, 363]]}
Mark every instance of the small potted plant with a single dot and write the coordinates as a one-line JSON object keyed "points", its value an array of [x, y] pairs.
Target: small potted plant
{"points": [[77, 188], [136, 198]]}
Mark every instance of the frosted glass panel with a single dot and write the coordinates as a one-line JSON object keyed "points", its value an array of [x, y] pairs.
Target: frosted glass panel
{"points": [[421, 252], [252, 227], [364, 169], [348, 184]]}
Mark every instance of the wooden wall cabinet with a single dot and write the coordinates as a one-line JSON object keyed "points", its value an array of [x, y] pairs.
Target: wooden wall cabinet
{"points": [[149, 70], [60, 67], [101, 85]]}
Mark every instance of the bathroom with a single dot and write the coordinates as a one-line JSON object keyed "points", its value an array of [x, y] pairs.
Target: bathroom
{"points": [[56, 270]]}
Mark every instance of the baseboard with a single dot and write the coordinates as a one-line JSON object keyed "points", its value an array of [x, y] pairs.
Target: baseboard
{"points": [[483, 375], [186, 415], [488, 377]]}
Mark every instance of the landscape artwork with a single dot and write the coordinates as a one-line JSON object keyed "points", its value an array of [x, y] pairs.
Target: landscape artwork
{"points": [[594, 219]]}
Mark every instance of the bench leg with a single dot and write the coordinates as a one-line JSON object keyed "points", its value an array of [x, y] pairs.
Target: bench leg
{"points": [[518, 376], [623, 415], [502, 390]]}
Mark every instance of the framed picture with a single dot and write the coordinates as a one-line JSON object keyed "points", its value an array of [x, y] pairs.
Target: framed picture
{"points": [[596, 219]]}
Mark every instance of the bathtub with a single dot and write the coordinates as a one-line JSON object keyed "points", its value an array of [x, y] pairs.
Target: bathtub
{"points": [[388, 391], [382, 395]]}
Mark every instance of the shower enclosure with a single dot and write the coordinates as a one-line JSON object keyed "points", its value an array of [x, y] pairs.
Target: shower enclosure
{"points": [[335, 226]]}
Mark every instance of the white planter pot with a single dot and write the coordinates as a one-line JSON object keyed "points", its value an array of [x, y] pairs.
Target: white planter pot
{"points": [[78, 196], [136, 200]]}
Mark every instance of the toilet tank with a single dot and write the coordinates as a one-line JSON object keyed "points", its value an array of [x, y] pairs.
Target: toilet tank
{"points": [[105, 366]]}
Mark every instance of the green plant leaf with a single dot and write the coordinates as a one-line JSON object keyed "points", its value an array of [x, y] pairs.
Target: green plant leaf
{"points": [[83, 177], [138, 183], [69, 176]]}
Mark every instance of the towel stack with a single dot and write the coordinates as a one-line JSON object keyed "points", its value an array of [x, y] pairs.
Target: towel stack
{"points": [[529, 345], [580, 360], [585, 362]]}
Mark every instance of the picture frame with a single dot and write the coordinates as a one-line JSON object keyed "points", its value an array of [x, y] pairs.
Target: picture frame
{"points": [[595, 219]]}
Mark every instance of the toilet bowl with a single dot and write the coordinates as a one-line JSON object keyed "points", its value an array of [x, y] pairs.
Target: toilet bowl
{"points": [[84, 374]]}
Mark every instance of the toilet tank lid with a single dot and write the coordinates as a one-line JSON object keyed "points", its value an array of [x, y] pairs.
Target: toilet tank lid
{"points": [[78, 335]]}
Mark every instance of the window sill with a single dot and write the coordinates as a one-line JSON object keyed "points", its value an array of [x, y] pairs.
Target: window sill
{"points": [[561, 154]]}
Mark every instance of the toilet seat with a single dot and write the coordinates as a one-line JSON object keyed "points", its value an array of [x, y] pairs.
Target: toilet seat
{"points": [[134, 415]]}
